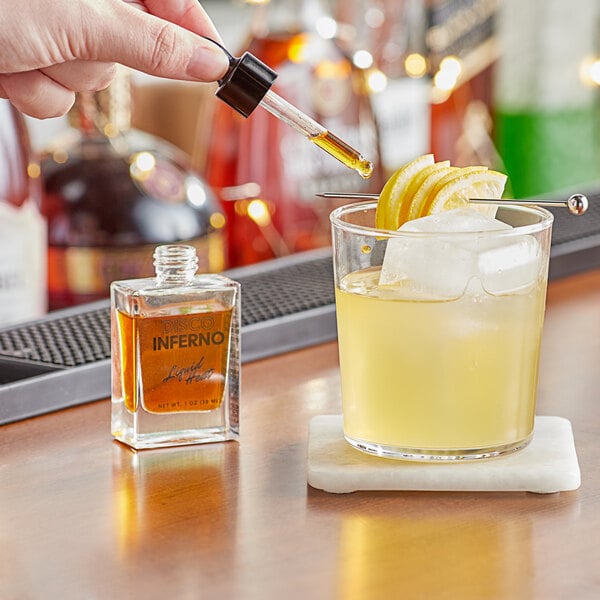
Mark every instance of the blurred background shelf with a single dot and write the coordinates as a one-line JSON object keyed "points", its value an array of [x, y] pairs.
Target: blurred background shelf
{"points": [[510, 84]]}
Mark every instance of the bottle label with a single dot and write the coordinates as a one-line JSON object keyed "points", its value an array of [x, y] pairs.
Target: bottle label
{"points": [[22, 262], [183, 360], [403, 114], [79, 271]]}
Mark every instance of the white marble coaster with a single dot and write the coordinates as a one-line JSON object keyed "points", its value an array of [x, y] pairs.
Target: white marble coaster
{"points": [[549, 464]]}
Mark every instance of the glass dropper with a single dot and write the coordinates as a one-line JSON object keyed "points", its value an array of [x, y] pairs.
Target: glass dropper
{"points": [[247, 84], [317, 134]]}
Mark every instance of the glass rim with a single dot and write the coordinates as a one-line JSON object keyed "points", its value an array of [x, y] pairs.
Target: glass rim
{"points": [[546, 219]]}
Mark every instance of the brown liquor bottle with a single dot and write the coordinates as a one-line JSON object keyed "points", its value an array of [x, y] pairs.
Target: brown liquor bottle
{"points": [[112, 193]]}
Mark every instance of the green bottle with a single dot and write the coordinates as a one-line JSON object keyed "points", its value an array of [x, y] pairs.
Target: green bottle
{"points": [[547, 117]]}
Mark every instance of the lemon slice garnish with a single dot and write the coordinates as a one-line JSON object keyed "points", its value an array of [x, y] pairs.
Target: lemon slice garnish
{"points": [[387, 215], [423, 187], [469, 183], [421, 195], [453, 175], [413, 187]]}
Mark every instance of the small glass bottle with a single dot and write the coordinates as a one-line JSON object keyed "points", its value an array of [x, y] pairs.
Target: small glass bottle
{"points": [[175, 354]]}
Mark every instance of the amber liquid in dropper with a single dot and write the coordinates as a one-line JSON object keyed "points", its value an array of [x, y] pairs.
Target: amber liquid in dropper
{"points": [[344, 153]]}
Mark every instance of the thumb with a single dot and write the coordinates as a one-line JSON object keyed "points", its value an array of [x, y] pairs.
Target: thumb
{"points": [[158, 47]]}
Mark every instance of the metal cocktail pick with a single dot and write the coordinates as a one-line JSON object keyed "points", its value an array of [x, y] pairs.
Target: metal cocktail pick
{"points": [[577, 203]]}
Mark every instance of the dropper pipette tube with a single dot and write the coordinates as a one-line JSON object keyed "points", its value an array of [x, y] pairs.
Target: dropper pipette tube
{"points": [[316, 133]]}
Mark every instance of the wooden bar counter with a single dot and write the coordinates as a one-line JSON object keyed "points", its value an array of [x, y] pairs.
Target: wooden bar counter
{"points": [[83, 517]]}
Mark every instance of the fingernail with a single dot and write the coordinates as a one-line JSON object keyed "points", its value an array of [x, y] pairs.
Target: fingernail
{"points": [[208, 63]]}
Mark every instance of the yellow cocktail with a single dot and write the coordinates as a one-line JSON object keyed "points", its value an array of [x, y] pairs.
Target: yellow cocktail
{"points": [[446, 371]]}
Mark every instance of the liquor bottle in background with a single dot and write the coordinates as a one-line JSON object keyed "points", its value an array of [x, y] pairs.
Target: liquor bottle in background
{"points": [[387, 37], [463, 50], [266, 173], [112, 193], [547, 99], [22, 228], [175, 354]]}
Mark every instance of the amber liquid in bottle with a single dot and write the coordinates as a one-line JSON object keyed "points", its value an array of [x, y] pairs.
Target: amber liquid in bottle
{"points": [[182, 360], [284, 169]]}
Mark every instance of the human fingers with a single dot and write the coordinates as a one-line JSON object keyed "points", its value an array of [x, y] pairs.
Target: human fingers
{"points": [[155, 45], [38, 34], [35, 94], [46, 93], [82, 76], [188, 14]]}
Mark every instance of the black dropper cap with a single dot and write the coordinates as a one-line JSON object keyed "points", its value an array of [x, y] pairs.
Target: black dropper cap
{"points": [[246, 83]]}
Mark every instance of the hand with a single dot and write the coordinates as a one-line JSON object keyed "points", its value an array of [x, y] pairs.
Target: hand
{"points": [[50, 50]]}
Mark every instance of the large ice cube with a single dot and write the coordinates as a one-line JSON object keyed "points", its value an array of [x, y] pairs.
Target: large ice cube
{"points": [[443, 265], [438, 264], [509, 264], [438, 267]]}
